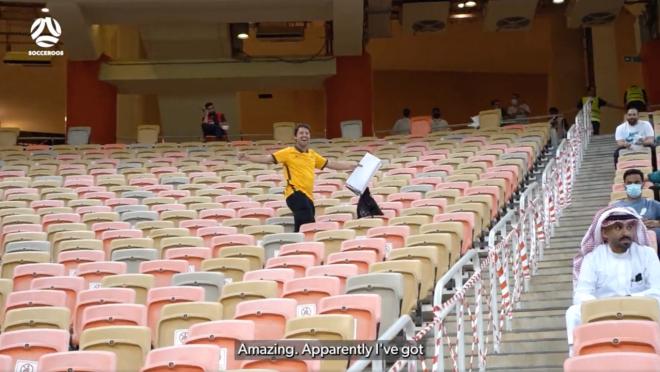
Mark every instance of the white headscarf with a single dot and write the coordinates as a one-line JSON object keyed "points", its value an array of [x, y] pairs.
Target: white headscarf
{"points": [[594, 236]]}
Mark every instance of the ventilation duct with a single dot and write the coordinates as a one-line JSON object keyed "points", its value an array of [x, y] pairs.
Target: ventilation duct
{"points": [[586, 13], [425, 17], [509, 15]]}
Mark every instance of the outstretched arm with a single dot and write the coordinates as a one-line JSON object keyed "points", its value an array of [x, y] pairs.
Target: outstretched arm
{"points": [[341, 165], [262, 159]]}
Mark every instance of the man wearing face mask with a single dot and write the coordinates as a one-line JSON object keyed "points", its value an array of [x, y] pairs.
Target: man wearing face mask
{"points": [[437, 122], [614, 260], [518, 109], [635, 134], [647, 208]]}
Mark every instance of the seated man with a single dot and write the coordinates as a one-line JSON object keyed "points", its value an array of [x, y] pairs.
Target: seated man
{"points": [[614, 260], [213, 123], [402, 126], [649, 209], [437, 122], [635, 134]]}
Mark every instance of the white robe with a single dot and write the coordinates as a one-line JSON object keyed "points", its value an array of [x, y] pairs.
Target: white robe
{"points": [[608, 274]]}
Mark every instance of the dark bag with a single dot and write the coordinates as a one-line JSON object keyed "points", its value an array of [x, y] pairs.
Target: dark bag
{"points": [[367, 206]]}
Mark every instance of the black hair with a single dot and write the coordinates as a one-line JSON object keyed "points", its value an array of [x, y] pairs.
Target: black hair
{"points": [[633, 171], [207, 104], [492, 102], [406, 112], [301, 125], [632, 107], [553, 110]]}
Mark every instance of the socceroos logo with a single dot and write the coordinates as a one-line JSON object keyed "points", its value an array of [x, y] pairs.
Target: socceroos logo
{"points": [[46, 32]]}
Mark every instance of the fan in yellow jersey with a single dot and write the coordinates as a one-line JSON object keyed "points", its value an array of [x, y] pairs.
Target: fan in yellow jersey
{"points": [[299, 163]]}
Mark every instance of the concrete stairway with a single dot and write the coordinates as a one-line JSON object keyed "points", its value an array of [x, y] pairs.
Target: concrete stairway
{"points": [[537, 341]]}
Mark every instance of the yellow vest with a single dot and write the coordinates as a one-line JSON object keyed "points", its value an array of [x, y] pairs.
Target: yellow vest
{"points": [[635, 93], [595, 107]]}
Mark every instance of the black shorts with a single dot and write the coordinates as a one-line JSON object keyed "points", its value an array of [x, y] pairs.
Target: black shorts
{"points": [[302, 208]]}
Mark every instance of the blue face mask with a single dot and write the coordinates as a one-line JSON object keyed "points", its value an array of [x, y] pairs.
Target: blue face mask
{"points": [[634, 190]]}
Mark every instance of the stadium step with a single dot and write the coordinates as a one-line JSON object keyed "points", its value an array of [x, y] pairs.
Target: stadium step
{"points": [[537, 340]]}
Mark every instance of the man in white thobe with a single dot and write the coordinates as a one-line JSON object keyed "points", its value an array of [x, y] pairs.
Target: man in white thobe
{"points": [[617, 265]]}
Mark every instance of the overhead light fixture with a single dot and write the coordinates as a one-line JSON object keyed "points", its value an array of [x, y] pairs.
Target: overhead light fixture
{"points": [[243, 36], [462, 15], [470, 4], [557, 1], [461, 5], [45, 10]]}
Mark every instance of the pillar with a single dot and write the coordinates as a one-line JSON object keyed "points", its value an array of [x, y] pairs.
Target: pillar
{"points": [[650, 71], [349, 95], [91, 102], [606, 72]]}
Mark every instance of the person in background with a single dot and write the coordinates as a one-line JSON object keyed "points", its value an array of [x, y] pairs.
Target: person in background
{"points": [[495, 104], [518, 110], [558, 126], [596, 104], [635, 97], [649, 209], [213, 123], [635, 134], [299, 162], [437, 122], [614, 260], [402, 126]]}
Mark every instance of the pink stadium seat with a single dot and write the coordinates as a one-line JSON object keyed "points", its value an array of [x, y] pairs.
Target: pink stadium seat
{"points": [[418, 165], [433, 181], [467, 219], [404, 197], [220, 242], [309, 229], [316, 249], [109, 235], [100, 227], [420, 126], [101, 361], [441, 203], [22, 191], [462, 186], [157, 188], [226, 199], [26, 273], [163, 270], [70, 285], [309, 290], [176, 194], [365, 308], [341, 271], [50, 219], [269, 177], [227, 186], [116, 202], [393, 206], [339, 218], [162, 170], [243, 205], [183, 358], [280, 276], [113, 315], [395, 235], [223, 334], [217, 214], [360, 258], [93, 209], [72, 259], [38, 204], [299, 263], [447, 168], [208, 233], [35, 298], [94, 272], [193, 255], [493, 191], [31, 344], [275, 204], [168, 207], [402, 171], [99, 296], [143, 182], [432, 158], [337, 184], [324, 191], [620, 362], [608, 336], [194, 225], [102, 171], [376, 245], [78, 181], [268, 315], [161, 296], [260, 213]]}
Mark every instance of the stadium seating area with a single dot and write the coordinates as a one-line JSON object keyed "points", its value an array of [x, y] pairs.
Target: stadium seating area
{"points": [[138, 256]]}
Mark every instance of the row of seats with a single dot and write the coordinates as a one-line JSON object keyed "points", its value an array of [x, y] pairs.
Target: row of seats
{"points": [[339, 278]]}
